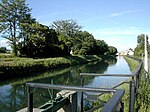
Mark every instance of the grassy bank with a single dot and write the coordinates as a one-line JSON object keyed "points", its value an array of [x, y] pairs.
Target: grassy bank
{"points": [[17, 65], [132, 65], [22, 65], [143, 97]]}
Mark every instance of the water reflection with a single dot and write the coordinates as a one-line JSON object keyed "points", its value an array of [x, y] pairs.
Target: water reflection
{"points": [[13, 94]]}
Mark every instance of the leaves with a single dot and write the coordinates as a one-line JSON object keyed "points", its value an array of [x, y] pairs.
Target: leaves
{"points": [[13, 12]]}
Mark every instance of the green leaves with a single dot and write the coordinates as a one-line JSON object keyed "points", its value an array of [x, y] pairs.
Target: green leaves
{"points": [[139, 50], [143, 98], [13, 12]]}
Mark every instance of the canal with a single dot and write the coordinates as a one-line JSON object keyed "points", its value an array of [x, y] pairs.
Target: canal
{"points": [[13, 93]]}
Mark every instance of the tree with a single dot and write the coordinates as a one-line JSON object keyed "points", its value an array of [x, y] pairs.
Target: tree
{"points": [[139, 50], [67, 30], [41, 42], [86, 44], [102, 47], [112, 50], [12, 13]]}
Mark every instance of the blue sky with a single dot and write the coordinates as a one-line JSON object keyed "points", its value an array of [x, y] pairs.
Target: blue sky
{"points": [[117, 22]]}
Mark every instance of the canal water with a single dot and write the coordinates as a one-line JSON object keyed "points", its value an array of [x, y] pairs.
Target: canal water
{"points": [[13, 93]]}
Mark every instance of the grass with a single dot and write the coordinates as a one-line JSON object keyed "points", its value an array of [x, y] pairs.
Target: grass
{"points": [[16, 65], [143, 97], [5, 55]]}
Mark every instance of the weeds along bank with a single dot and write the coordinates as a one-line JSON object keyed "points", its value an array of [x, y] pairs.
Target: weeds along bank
{"points": [[143, 97], [24, 65]]}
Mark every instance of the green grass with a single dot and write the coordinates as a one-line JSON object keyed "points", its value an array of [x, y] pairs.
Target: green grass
{"points": [[5, 55], [143, 97], [22, 65], [131, 63]]}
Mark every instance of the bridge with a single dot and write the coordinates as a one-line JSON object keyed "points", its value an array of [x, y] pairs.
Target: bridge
{"points": [[114, 104]]}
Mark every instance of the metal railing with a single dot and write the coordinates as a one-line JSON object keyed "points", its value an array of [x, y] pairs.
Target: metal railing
{"points": [[133, 82], [116, 98]]}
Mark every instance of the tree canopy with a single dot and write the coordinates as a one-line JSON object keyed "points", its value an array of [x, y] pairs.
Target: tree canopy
{"points": [[12, 13], [139, 50]]}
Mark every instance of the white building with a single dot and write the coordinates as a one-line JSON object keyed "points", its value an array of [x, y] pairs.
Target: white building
{"points": [[127, 52]]}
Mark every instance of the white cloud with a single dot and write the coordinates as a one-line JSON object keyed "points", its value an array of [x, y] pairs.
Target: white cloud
{"points": [[4, 43], [125, 12]]}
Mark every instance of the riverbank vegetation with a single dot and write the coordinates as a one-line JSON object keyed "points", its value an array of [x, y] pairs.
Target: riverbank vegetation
{"points": [[19, 65], [133, 64], [25, 65], [143, 97], [139, 50]]}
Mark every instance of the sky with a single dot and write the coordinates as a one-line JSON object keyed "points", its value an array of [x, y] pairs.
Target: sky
{"points": [[117, 22]]}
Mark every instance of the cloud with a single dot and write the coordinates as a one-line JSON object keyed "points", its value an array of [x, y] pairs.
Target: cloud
{"points": [[125, 12], [4, 43]]}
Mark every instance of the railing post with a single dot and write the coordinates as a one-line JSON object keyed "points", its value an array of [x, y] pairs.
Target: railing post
{"points": [[82, 84], [132, 95], [137, 82], [30, 99], [121, 107], [141, 70]]}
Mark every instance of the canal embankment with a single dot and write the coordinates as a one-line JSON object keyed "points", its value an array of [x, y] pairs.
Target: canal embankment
{"points": [[17, 65]]}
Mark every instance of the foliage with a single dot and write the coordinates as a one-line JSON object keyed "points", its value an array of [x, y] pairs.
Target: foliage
{"points": [[86, 44], [143, 97], [133, 64], [66, 31], [139, 50], [112, 50], [5, 55], [42, 42], [11, 15], [3, 50]]}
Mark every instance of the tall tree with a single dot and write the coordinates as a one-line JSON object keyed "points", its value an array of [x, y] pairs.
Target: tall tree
{"points": [[12, 13], [41, 42], [86, 44], [139, 50], [67, 31]]}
